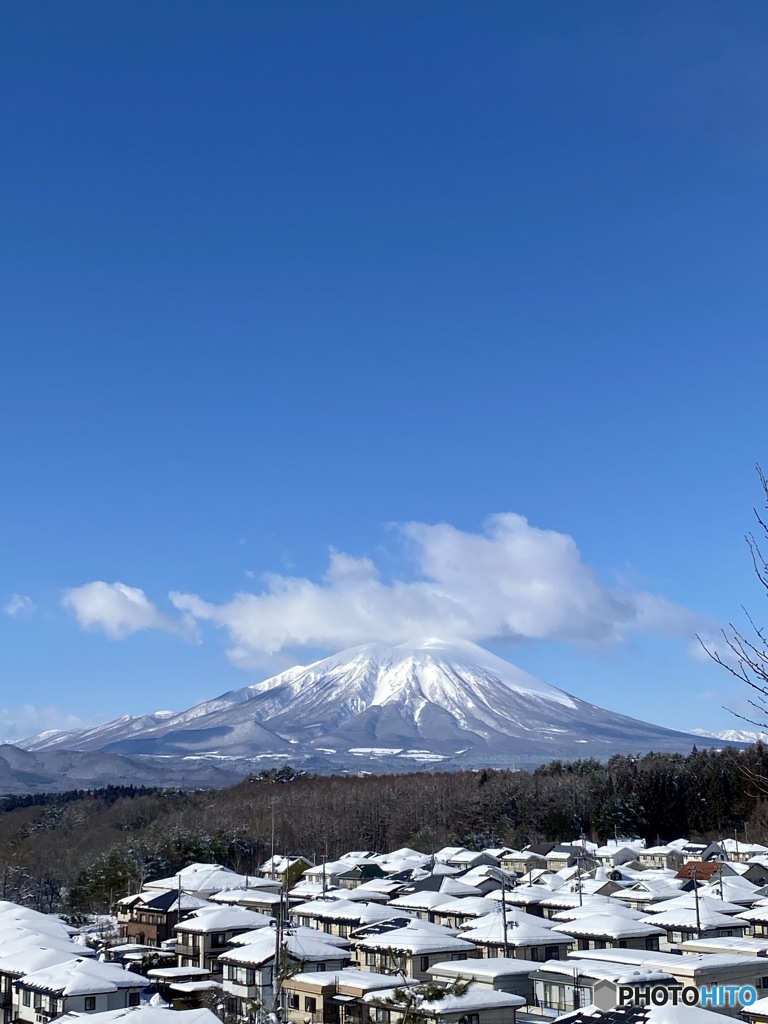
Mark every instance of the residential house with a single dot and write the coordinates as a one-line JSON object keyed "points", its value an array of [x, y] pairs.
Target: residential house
{"points": [[612, 928], [695, 970], [561, 986], [340, 917], [334, 997], [253, 974], [79, 985], [669, 857], [504, 974], [285, 870], [412, 949], [475, 1006], [150, 917], [517, 937], [206, 934]]}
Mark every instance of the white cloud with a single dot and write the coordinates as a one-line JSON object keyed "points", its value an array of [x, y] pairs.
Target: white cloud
{"points": [[119, 610], [25, 721], [20, 607], [511, 580]]}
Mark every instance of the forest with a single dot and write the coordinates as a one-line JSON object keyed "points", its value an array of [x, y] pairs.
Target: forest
{"points": [[79, 852]]}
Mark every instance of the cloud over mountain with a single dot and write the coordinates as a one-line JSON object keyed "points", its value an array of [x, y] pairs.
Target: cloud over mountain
{"points": [[509, 580]]}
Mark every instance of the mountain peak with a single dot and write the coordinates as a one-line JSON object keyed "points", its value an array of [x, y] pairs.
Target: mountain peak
{"points": [[429, 699]]}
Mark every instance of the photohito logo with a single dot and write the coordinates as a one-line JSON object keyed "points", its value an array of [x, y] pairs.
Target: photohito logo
{"points": [[708, 996]]}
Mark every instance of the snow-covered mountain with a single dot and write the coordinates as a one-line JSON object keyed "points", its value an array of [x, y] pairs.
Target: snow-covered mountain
{"points": [[733, 735], [423, 701]]}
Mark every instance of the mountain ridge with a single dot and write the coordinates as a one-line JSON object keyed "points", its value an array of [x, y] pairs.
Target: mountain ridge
{"points": [[450, 701]]}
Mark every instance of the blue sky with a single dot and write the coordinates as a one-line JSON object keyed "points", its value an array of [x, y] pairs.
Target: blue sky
{"points": [[280, 277]]}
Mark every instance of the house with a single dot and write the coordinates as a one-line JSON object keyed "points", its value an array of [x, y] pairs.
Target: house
{"points": [[475, 1006], [692, 915], [250, 972], [202, 880], [463, 859], [150, 917], [412, 949], [609, 928], [79, 985], [726, 944], [522, 861], [458, 913], [144, 1014], [259, 900], [326, 875], [644, 895], [561, 986], [756, 918], [669, 857], [613, 855], [504, 974], [334, 998], [703, 852], [521, 938], [26, 955], [204, 936], [286, 870], [695, 969], [359, 874], [340, 917], [166, 981], [421, 904]]}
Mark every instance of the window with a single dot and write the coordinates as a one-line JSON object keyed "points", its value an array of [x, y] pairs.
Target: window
{"points": [[651, 942], [310, 1004], [90, 1003], [423, 963], [457, 956], [218, 939], [293, 1000], [26, 997], [622, 943], [763, 982], [319, 967], [551, 952], [469, 1018], [534, 953], [134, 998]]}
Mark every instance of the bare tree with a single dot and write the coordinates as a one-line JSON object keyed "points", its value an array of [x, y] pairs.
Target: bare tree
{"points": [[745, 655]]}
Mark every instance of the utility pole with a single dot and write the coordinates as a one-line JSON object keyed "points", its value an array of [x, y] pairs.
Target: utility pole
{"points": [[694, 873], [272, 859]]}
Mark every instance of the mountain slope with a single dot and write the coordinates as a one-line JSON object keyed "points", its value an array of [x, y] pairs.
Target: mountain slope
{"points": [[448, 700]]}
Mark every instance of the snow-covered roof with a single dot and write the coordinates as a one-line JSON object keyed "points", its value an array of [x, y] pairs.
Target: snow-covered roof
{"points": [[687, 918], [424, 900], [472, 1000], [691, 899], [620, 974], [490, 931], [145, 1014], [174, 973], [351, 978], [488, 968], [222, 919], [297, 947], [416, 939], [200, 878], [242, 897], [343, 910], [298, 931], [81, 977], [611, 925], [471, 906]]}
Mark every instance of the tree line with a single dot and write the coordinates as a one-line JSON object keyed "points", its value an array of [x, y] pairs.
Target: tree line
{"points": [[80, 852]]}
